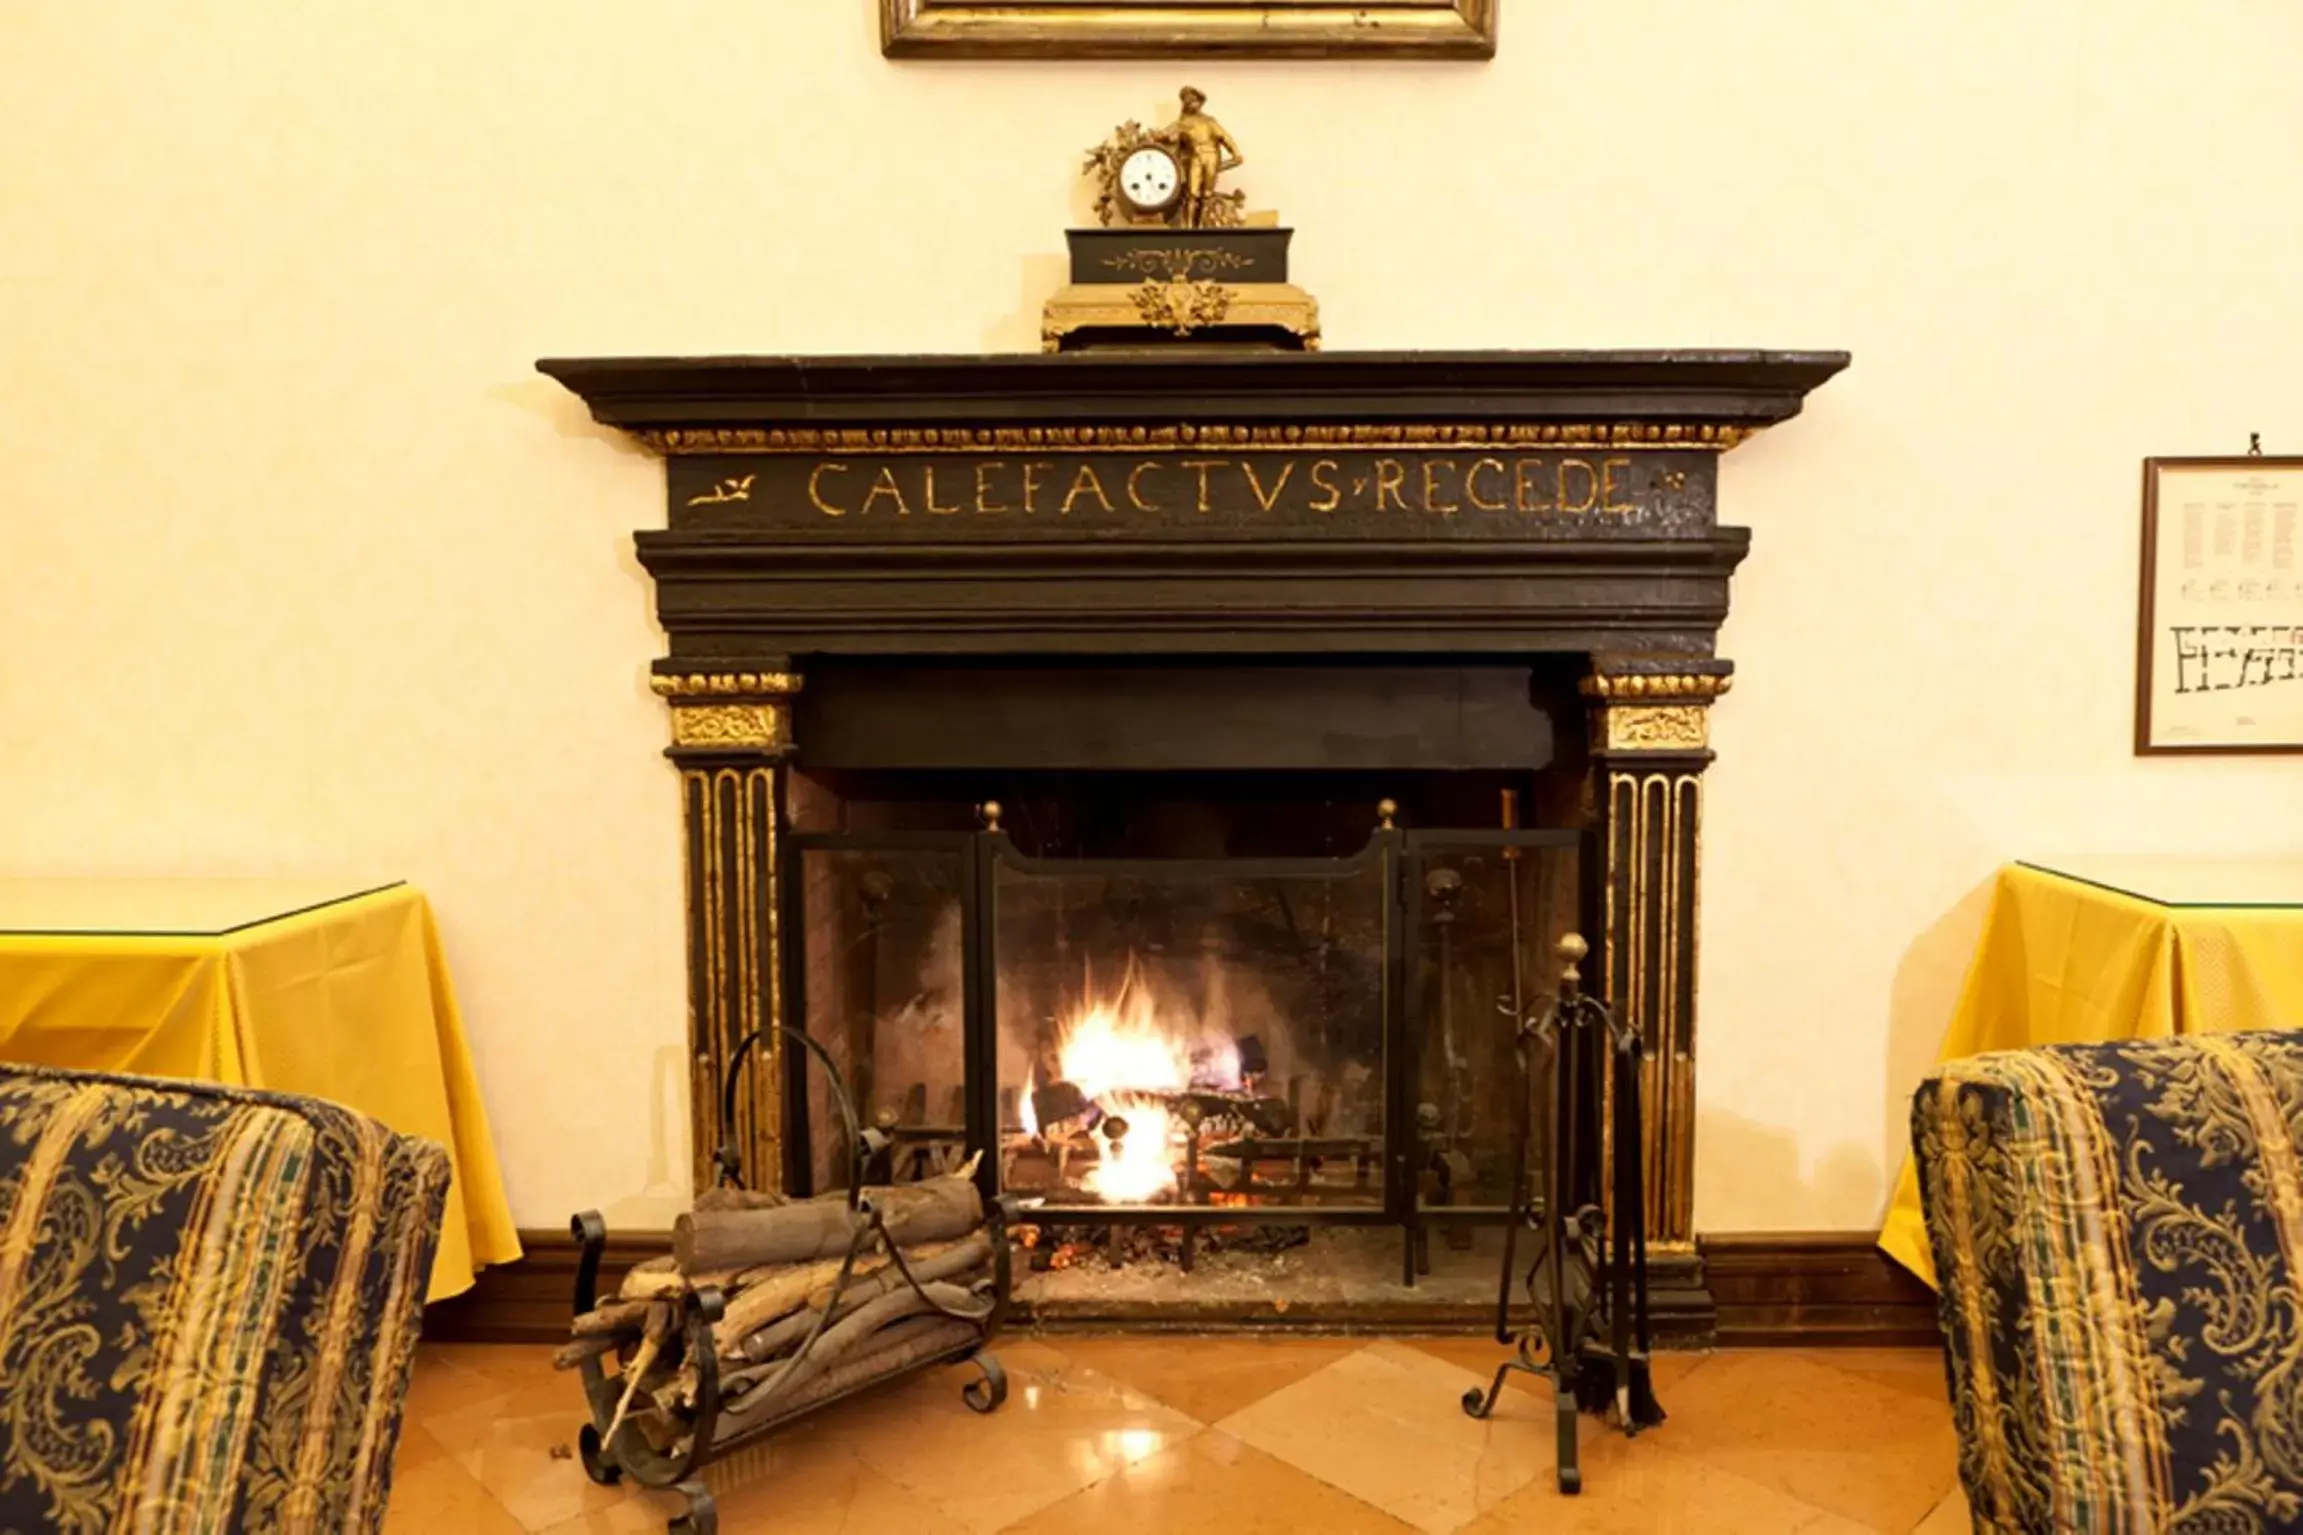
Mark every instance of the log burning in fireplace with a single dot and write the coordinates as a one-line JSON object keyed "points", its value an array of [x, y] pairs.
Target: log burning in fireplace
{"points": [[1146, 1093]]}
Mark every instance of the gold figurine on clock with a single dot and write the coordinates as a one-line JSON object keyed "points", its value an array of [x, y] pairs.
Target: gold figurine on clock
{"points": [[1168, 175], [1177, 259]]}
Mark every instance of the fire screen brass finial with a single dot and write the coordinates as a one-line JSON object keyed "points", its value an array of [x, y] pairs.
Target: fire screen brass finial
{"points": [[989, 813], [1387, 814], [1571, 949]]}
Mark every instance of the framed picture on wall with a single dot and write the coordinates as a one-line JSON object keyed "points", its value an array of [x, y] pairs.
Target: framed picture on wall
{"points": [[1200, 29], [2219, 643]]}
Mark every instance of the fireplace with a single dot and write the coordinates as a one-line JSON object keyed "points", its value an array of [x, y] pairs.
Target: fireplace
{"points": [[1159, 778], [1189, 973]]}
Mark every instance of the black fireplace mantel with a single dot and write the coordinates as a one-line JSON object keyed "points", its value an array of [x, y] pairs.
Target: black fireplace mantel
{"points": [[1270, 550], [1138, 503]]}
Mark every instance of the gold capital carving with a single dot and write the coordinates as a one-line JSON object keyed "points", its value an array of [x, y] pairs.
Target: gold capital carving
{"points": [[1653, 727], [760, 727], [746, 711], [725, 684], [1656, 685]]}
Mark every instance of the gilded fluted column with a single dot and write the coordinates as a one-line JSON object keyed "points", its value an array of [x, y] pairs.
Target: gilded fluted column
{"points": [[731, 736], [1650, 742]]}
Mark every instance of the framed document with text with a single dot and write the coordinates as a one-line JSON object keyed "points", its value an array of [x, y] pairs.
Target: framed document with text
{"points": [[2219, 647]]}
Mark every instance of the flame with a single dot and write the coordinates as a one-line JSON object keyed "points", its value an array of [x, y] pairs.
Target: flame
{"points": [[1119, 1044], [1025, 1113], [1144, 1166], [1116, 1050]]}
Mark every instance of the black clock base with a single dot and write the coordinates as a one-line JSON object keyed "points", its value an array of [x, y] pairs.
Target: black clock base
{"points": [[1102, 257]]}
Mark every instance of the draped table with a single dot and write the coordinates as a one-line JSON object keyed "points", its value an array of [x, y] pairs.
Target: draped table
{"points": [[333, 991], [2097, 949]]}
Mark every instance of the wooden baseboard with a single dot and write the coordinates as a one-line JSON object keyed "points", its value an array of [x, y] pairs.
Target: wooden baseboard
{"points": [[1804, 1289], [531, 1300], [1814, 1289]]}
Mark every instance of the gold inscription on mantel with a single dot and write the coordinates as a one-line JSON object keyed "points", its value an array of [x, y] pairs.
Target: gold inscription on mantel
{"points": [[1275, 484]]}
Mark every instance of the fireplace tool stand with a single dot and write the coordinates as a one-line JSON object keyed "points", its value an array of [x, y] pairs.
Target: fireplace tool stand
{"points": [[1587, 1281], [672, 1450]]}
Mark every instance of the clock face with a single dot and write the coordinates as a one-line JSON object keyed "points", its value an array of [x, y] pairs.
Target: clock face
{"points": [[1148, 179]]}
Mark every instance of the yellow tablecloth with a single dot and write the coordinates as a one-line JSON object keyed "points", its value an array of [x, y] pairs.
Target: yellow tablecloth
{"points": [[2103, 949], [294, 987]]}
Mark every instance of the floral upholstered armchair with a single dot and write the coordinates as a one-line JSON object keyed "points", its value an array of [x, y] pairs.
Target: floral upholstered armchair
{"points": [[209, 1303], [2118, 1232]]}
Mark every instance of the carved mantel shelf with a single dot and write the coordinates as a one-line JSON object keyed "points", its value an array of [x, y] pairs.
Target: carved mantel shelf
{"points": [[1428, 502], [1337, 508], [1742, 389]]}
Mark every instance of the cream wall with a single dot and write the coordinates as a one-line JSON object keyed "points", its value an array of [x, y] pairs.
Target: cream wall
{"points": [[304, 570]]}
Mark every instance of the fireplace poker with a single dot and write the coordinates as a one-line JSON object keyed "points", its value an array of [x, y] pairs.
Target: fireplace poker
{"points": [[864, 1025], [1515, 1007], [1445, 888]]}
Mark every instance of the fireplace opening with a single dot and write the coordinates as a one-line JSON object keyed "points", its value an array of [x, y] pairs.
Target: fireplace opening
{"points": [[1193, 1033], [1206, 1021]]}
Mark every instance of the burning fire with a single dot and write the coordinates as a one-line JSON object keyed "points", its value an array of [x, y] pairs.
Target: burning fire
{"points": [[1123, 1058], [1137, 1167], [1117, 1045]]}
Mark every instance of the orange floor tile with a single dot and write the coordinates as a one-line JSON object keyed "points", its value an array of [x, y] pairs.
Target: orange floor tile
{"points": [[1250, 1436]]}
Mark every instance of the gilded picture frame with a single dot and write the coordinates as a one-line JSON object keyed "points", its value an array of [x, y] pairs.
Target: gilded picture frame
{"points": [[2219, 619], [1157, 29]]}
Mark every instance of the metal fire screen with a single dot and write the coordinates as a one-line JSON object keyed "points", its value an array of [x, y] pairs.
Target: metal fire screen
{"points": [[1181, 1042]]}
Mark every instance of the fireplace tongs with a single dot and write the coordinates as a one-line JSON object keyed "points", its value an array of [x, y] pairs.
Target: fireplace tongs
{"points": [[1590, 1325]]}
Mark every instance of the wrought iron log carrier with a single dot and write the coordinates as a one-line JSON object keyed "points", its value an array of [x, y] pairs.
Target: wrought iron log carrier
{"points": [[769, 1311]]}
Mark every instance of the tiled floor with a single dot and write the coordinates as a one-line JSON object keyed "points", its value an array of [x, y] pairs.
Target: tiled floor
{"points": [[1114, 1435]]}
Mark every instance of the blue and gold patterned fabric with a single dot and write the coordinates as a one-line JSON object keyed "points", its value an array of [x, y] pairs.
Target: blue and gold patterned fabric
{"points": [[2118, 1230], [209, 1304]]}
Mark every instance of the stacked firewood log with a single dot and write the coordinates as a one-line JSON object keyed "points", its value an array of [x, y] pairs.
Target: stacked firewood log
{"points": [[816, 1301]]}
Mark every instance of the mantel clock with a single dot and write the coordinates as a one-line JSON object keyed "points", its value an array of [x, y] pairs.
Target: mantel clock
{"points": [[1176, 258]]}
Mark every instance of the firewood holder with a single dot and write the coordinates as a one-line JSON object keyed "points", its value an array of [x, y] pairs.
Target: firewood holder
{"points": [[712, 1432]]}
